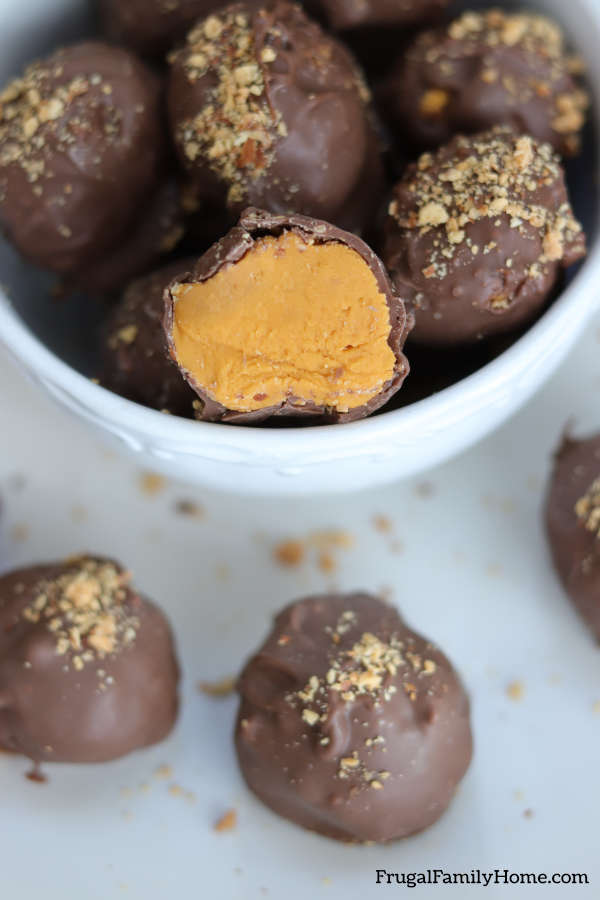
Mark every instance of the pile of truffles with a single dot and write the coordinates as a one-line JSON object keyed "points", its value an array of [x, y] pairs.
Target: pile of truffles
{"points": [[216, 192]]}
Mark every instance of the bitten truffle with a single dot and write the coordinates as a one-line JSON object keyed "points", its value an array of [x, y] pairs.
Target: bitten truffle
{"points": [[81, 146], [350, 724], [573, 525], [87, 666], [287, 316], [354, 13], [272, 112], [477, 235], [136, 363], [151, 26], [486, 69]]}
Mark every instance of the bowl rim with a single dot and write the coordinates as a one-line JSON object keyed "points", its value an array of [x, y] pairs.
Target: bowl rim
{"points": [[477, 388]]}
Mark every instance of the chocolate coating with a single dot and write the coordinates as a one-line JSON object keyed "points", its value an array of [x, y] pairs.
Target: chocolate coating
{"points": [[486, 69], [350, 724], [81, 145], [88, 682], [151, 26], [158, 229], [354, 13], [573, 525], [275, 113], [477, 235], [253, 225], [136, 363]]}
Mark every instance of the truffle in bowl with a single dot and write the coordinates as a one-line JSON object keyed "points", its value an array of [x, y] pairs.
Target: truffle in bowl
{"points": [[55, 343]]}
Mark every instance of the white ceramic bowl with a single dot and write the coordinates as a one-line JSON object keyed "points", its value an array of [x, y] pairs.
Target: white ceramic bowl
{"points": [[374, 451]]}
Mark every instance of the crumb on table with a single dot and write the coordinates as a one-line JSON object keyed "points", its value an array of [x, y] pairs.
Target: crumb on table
{"points": [[218, 689], [227, 822], [515, 690]]}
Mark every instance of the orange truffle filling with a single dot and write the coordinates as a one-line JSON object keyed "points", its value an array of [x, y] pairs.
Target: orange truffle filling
{"points": [[290, 321]]}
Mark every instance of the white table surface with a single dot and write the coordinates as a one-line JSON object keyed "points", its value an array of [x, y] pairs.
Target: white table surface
{"points": [[466, 563]]}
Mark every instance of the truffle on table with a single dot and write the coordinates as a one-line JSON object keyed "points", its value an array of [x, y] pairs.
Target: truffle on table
{"points": [[477, 235], [485, 69], [287, 316], [81, 147], [350, 724], [270, 111], [151, 26], [136, 363], [87, 666], [354, 13], [573, 525]]}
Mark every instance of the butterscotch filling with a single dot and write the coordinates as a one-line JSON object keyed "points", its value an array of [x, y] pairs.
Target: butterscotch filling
{"points": [[289, 321]]}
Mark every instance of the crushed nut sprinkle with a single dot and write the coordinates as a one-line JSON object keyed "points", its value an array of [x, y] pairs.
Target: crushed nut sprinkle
{"points": [[496, 27], [372, 667], [126, 335], [537, 38], [34, 107], [236, 130], [366, 668], [495, 175], [587, 508], [85, 609]]}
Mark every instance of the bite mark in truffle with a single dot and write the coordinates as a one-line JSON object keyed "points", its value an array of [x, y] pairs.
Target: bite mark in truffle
{"points": [[87, 666], [287, 315], [477, 234], [336, 708], [573, 525], [485, 69]]}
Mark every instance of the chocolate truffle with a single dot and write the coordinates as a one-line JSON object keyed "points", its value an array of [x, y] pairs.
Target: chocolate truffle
{"points": [[478, 234], [158, 229], [353, 13], [350, 724], [80, 149], [287, 316], [272, 112], [486, 69], [136, 363], [151, 26], [87, 666], [573, 525]]}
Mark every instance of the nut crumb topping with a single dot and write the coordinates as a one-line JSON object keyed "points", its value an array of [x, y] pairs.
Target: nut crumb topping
{"points": [[85, 610], [370, 667], [236, 129], [491, 175], [587, 508], [548, 73], [34, 110], [534, 32], [125, 335]]}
